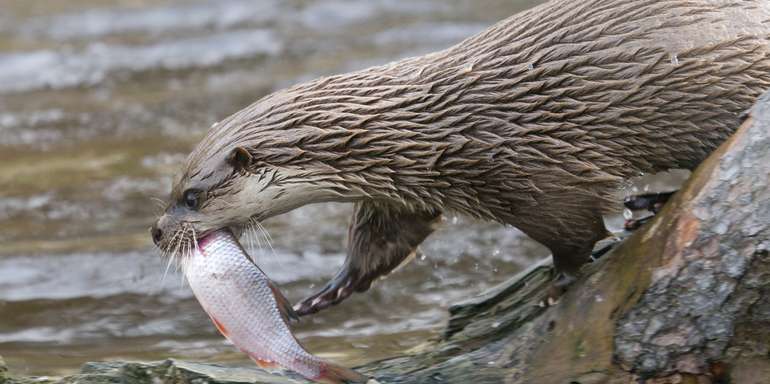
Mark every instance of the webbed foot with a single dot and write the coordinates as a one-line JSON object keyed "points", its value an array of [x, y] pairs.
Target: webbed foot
{"points": [[334, 292]]}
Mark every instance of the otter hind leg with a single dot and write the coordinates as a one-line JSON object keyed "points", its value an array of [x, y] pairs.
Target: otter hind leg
{"points": [[571, 238], [380, 239], [569, 229]]}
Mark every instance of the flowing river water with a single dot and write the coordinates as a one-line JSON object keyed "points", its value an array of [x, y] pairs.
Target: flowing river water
{"points": [[101, 100]]}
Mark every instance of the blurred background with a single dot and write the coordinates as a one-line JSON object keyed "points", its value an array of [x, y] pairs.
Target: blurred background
{"points": [[101, 100]]}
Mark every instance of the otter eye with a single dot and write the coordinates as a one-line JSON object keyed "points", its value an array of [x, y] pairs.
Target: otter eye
{"points": [[191, 198]]}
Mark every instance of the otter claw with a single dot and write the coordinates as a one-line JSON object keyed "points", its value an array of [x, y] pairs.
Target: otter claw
{"points": [[313, 304], [333, 293]]}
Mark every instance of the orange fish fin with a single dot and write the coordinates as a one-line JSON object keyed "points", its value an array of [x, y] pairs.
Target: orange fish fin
{"points": [[220, 327], [284, 306], [335, 374], [264, 364]]}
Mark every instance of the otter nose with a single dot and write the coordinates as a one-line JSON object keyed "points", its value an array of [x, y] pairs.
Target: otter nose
{"points": [[157, 234]]}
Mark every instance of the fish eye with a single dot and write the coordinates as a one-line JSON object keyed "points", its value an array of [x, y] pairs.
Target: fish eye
{"points": [[191, 198]]}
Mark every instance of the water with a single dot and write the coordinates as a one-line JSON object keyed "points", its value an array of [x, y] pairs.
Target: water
{"points": [[100, 101]]}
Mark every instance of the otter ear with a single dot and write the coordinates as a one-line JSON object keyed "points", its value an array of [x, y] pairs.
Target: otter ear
{"points": [[239, 158]]}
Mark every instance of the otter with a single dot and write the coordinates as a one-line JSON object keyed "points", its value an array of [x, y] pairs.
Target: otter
{"points": [[535, 122]]}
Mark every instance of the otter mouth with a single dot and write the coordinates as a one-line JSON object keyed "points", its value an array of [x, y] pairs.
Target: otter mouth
{"points": [[186, 239], [205, 236]]}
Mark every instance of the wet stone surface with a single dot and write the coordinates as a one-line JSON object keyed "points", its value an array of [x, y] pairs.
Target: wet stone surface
{"points": [[167, 371], [719, 273]]}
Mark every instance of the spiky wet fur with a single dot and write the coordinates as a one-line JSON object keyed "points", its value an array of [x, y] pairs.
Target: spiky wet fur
{"points": [[534, 122]]}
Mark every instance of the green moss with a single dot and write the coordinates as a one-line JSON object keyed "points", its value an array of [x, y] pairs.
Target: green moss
{"points": [[3, 371]]}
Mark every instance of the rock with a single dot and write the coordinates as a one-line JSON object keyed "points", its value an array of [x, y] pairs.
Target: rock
{"points": [[706, 310], [168, 371], [684, 299], [3, 370]]}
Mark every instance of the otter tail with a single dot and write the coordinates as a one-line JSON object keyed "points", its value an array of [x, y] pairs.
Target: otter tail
{"points": [[335, 374]]}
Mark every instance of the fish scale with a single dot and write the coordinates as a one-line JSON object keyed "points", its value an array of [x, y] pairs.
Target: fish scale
{"points": [[248, 309]]}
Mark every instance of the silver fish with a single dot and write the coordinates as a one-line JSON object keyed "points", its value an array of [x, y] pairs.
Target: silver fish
{"points": [[250, 311]]}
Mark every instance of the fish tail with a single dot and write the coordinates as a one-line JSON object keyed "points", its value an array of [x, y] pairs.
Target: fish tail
{"points": [[335, 374]]}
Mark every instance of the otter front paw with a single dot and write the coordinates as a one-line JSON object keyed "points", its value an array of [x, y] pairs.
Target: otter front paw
{"points": [[333, 293]]}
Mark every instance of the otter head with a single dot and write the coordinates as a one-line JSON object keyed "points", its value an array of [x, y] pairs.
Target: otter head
{"points": [[247, 169], [226, 191], [199, 200]]}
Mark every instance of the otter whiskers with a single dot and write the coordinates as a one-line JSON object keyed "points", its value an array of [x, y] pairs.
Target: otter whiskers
{"points": [[254, 230], [251, 236], [266, 235], [180, 248], [165, 253]]}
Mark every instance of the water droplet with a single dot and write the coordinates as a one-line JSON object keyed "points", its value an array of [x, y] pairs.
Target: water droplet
{"points": [[423, 257], [455, 219], [627, 214], [495, 324], [674, 59]]}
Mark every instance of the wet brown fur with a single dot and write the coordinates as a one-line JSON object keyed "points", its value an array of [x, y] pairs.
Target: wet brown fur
{"points": [[535, 122]]}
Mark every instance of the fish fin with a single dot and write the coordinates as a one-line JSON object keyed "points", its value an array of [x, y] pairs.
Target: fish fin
{"points": [[220, 327], [335, 374], [284, 306], [264, 364]]}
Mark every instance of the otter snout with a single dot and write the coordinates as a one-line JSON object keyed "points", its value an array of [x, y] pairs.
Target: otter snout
{"points": [[178, 229], [163, 230], [159, 230], [156, 233]]}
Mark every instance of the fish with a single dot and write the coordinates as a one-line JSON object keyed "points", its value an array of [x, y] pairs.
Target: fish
{"points": [[249, 310]]}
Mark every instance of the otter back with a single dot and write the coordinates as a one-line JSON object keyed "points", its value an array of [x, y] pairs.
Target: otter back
{"points": [[534, 122]]}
